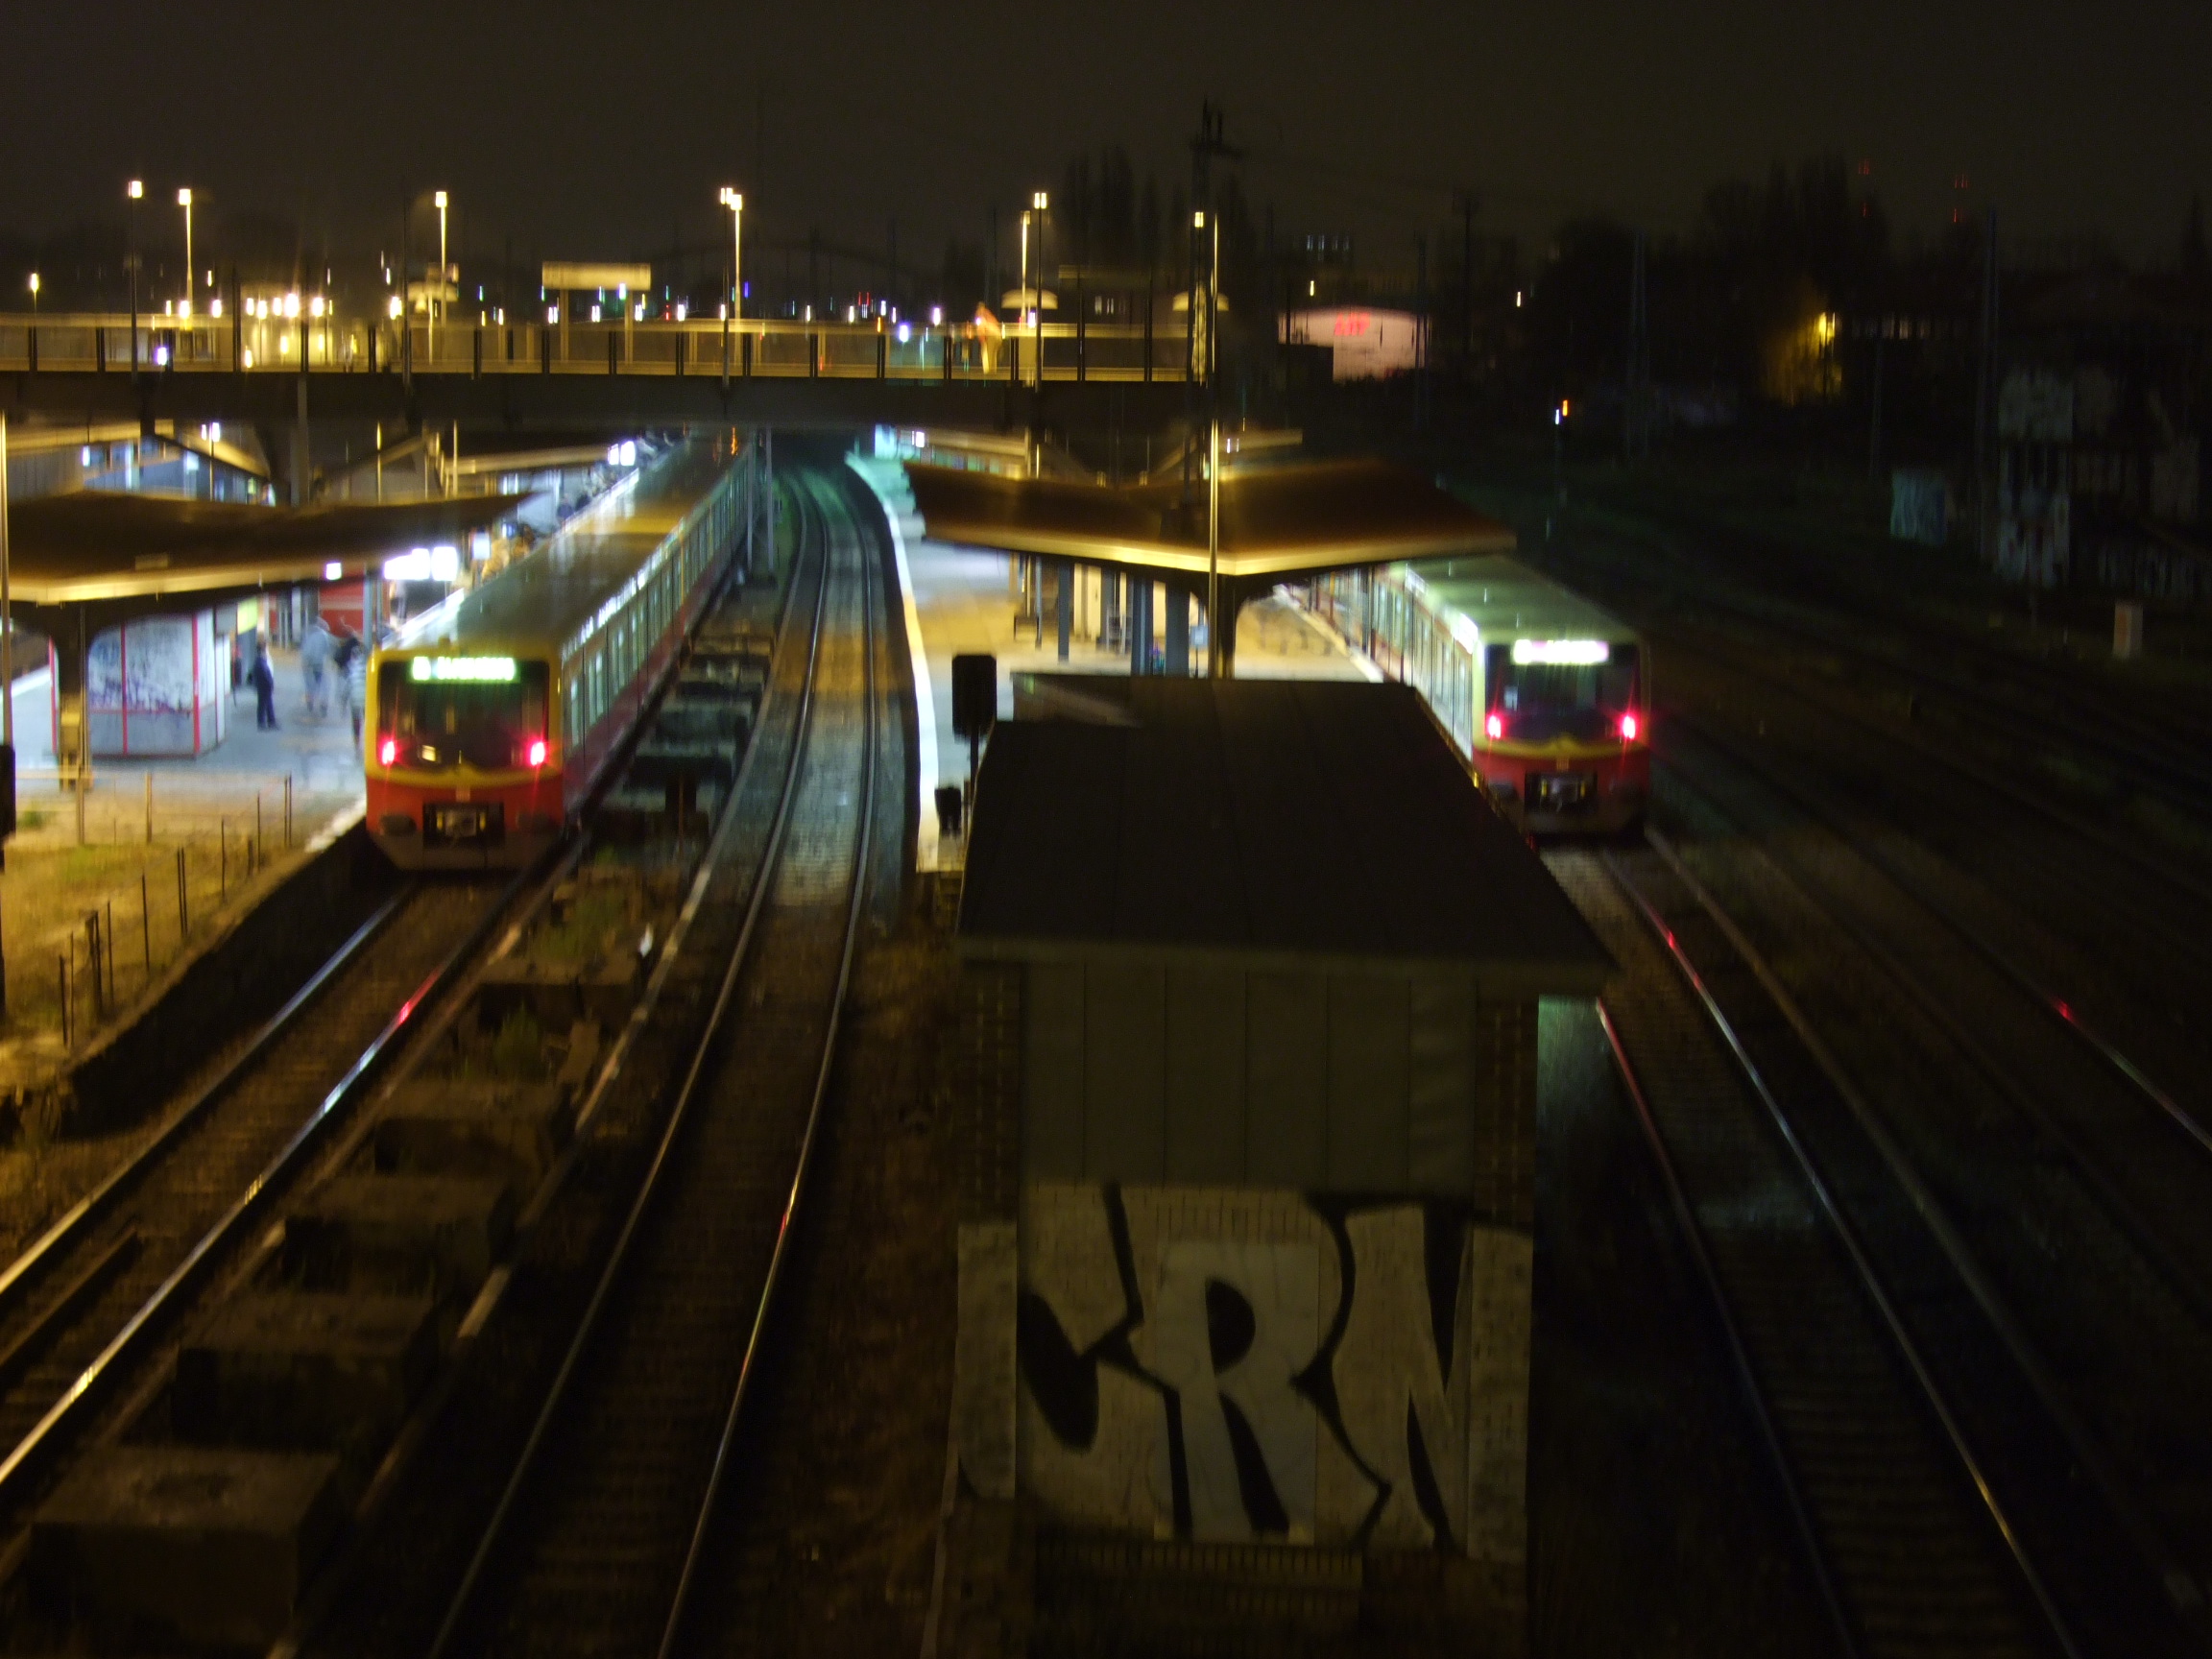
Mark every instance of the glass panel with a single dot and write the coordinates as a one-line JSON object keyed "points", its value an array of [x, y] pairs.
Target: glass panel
{"points": [[1539, 701]]}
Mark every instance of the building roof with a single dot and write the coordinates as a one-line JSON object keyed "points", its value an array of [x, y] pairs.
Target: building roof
{"points": [[1506, 600], [96, 544], [1274, 521], [1260, 818]]}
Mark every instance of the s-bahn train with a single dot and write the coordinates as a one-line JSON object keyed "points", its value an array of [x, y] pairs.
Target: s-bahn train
{"points": [[1546, 696], [492, 717]]}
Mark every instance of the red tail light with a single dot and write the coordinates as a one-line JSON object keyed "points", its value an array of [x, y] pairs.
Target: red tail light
{"points": [[388, 752], [1494, 727], [1629, 726], [537, 752]]}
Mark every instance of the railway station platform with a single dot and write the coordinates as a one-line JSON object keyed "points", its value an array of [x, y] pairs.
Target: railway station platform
{"points": [[961, 600]]}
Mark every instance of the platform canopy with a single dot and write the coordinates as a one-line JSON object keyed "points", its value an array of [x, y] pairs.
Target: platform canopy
{"points": [[147, 553], [1276, 522]]}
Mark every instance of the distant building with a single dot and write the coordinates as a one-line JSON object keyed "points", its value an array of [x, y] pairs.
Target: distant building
{"points": [[2100, 459], [1366, 343]]}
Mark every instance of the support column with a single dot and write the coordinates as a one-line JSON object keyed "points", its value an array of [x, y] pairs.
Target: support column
{"points": [[1140, 626], [752, 471], [1221, 632], [1063, 579], [768, 492], [1178, 652], [299, 435], [1109, 607]]}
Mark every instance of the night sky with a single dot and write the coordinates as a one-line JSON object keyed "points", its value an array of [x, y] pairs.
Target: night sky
{"points": [[585, 131]]}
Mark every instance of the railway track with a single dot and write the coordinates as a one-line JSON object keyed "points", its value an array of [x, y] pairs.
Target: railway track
{"points": [[2079, 1195], [606, 1519], [92, 1316], [1765, 1134], [83, 1311], [1989, 687]]}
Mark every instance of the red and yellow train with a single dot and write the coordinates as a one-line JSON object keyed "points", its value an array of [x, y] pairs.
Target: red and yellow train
{"points": [[494, 718]]}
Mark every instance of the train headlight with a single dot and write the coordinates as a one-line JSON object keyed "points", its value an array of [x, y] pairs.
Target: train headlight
{"points": [[1494, 727], [537, 752], [1629, 726], [388, 752]]}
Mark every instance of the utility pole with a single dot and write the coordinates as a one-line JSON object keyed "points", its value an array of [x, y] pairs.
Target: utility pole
{"points": [[1420, 331], [1467, 206], [1874, 426], [1635, 436], [1984, 395]]}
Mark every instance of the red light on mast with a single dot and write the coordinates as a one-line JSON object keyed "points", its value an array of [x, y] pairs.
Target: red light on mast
{"points": [[536, 750], [1629, 726], [1494, 727], [388, 752]]}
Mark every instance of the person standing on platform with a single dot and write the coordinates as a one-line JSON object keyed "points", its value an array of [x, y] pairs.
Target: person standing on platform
{"points": [[354, 676], [264, 680], [315, 665]]}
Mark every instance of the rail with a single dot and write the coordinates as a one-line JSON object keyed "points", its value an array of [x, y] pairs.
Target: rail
{"points": [[69, 1415], [1887, 1329], [724, 1446], [605, 1288]]}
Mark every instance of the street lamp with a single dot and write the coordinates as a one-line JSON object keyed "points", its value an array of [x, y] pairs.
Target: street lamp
{"points": [[1039, 202], [134, 190], [184, 201], [734, 200], [34, 296], [438, 293]]}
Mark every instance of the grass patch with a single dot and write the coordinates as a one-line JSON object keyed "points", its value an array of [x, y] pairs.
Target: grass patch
{"points": [[591, 924]]}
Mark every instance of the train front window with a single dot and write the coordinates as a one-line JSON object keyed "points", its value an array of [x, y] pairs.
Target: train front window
{"points": [[438, 712], [1578, 689]]}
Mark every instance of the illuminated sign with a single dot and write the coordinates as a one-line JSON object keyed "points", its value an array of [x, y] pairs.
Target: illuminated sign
{"points": [[1562, 653], [560, 275], [475, 669]]}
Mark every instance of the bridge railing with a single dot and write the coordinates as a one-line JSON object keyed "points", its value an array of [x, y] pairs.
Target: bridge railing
{"points": [[754, 348]]}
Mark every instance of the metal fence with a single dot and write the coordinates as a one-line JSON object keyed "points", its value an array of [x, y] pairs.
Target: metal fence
{"points": [[115, 939]]}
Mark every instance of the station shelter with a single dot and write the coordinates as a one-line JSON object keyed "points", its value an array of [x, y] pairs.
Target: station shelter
{"points": [[1251, 976], [1279, 524], [142, 598]]}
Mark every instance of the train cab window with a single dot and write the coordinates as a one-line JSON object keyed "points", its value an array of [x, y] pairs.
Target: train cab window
{"points": [[434, 714], [1542, 689]]}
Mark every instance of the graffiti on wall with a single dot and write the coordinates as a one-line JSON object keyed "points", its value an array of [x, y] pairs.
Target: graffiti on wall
{"points": [[1239, 1364]]}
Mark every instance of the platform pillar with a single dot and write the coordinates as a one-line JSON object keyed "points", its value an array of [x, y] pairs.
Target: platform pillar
{"points": [[1139, 626], [1178, 652], [1064, 601]]}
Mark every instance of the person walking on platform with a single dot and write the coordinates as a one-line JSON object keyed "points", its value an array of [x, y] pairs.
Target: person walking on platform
{"points": [[353, 680], [315, 665], [264, 680]]}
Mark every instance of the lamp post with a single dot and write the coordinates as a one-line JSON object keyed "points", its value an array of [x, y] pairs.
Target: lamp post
{"points": [[135, 190], [1040, 201], [734, 200], [438, 294], [184, 201]]}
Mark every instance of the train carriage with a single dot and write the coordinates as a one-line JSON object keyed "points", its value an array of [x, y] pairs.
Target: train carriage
{"points": [[492, 718], [1546, 696]]}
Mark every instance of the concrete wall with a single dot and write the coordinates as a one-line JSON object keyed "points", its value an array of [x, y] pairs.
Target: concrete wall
{"points": [[1265, 1271], [1321, 1080]]}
